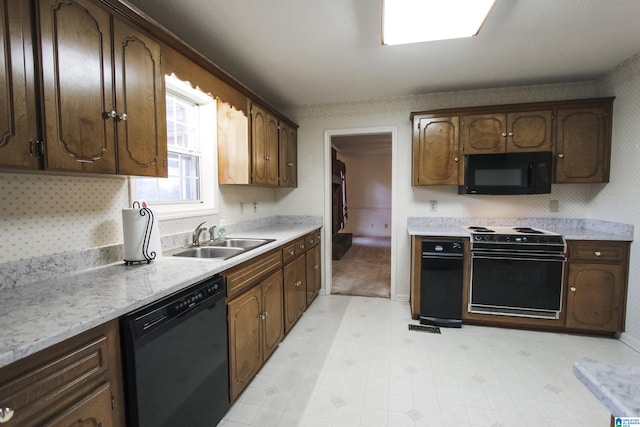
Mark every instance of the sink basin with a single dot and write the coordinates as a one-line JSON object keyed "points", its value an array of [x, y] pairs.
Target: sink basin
{"points": [[223, 249], [210, 252], [246, 244]]}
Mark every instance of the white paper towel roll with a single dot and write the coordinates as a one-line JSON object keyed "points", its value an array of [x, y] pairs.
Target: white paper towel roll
{"points": [[134, 229]]}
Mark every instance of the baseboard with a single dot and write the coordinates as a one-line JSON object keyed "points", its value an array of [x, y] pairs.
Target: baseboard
{"points": [[631, 341]]}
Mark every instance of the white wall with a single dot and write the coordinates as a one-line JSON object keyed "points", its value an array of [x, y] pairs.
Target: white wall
{"points": [[619, 200], [368, 194]]}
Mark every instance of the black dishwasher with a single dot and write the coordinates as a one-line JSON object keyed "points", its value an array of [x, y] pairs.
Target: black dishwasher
{"points": [[441, 282], [175, 358]]}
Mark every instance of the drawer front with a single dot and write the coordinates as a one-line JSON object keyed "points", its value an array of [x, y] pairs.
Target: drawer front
{"points": [[46, 384], [301, 245], [608, 252], [249, 273], [313, 239], [288, 252]]}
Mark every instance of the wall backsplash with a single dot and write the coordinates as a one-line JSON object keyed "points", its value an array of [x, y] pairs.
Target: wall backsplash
{"points": [[43, 214]]}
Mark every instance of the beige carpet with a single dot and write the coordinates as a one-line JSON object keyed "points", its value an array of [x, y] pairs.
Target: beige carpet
{"points": [[365, 269]]}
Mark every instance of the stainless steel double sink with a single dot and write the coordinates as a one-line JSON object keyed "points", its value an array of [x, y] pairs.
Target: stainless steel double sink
{"points": [[222, 249]]}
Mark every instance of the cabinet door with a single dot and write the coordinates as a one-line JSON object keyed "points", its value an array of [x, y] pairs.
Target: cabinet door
{"points": [[77, 86], [273, 315], [17, 97], [288, 156], [93, 410], [294, 291], [264, 143], [583, 144], [313, 273], [529, 131], [234, 150], [483, 133], [436, 151], [595, 299], [140, 103], [245, 341]]}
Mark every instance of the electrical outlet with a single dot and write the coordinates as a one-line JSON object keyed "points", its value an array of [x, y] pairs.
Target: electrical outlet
{"points": [[433, 205], [255, 207], [554, 206]]}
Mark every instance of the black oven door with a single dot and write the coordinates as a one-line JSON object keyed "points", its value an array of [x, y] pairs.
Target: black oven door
{"points": [[516, 284]]}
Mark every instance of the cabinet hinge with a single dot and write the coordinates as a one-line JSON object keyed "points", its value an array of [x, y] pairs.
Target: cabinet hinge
{"points": [[113, 402], [36, 148], [161, 59]]}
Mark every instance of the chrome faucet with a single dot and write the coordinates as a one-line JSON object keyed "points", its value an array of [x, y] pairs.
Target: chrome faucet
{"points": [[212, 233], [195, 240]]}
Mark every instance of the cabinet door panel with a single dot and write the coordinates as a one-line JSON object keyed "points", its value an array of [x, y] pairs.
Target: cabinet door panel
{"points": [[93, 411], [245, 341], [273, 314], [17, 97], [436, 152], [288, 157], [294, 291], [595, 297], [483, 133], [142, 142], [313, 273], [530, 131], [581, 154], [77, 86]]}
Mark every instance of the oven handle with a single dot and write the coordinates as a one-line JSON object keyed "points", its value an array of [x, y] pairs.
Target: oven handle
{"points": [[519, 257]]}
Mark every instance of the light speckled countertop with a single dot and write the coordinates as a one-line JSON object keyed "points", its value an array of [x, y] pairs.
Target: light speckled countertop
{"points": [[38, 315], [571, 229], [617, 387]]}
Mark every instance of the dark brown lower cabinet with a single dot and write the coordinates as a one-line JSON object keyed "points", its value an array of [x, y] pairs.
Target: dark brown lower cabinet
{"points": [[596, 285], [73, 383], [295, 291], [255, 330]]}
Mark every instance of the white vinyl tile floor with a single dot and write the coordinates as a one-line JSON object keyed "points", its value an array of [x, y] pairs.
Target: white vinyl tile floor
{"points": [[352, 361]]}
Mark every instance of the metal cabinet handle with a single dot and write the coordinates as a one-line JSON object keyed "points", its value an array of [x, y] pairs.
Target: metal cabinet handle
{"points": [[573, 289], [5, 414], [598, 253], [504, 134], [262, 316], [291, 252], [123, 117], [455, 159], [561, 156], [267, 157], [510, 133], [315, 267], [290, 164]]}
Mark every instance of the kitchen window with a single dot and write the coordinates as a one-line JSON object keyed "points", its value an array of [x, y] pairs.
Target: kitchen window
{"points": [[191, 187]]}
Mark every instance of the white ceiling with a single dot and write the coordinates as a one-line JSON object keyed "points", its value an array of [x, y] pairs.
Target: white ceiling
{"points": [[304, 52]]}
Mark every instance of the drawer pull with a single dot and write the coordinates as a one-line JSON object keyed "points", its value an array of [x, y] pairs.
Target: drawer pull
{"points": [[6, 414], [598, 253], [573, 289], [291, 252], [263, 316]]}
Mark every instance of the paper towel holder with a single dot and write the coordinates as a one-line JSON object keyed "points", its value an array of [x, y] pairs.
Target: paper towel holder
{"points": [[148, 256]]}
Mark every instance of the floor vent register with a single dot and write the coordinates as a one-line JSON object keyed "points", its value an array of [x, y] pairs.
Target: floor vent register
{"points": [[424, 328]]}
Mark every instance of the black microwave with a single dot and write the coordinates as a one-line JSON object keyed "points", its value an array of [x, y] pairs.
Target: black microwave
{"points": [[507, 173]]}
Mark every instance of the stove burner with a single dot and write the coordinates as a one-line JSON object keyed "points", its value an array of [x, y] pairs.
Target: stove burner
{"points": [[479, 229], [527, 230]]}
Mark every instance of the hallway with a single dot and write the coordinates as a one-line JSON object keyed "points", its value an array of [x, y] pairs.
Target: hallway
{"points": [[365, 270]]}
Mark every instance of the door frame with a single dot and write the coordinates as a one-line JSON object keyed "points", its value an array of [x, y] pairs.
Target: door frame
{"points": [[327, 238]]}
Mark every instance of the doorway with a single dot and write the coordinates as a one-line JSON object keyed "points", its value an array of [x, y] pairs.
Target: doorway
{"points": [[361, 182]]}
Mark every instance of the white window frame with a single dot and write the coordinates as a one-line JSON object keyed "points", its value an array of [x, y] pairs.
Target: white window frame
{"points": [[208, 167]]}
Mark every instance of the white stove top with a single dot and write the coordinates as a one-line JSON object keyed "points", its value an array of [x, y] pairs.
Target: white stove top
{"points": [[519, 230]]}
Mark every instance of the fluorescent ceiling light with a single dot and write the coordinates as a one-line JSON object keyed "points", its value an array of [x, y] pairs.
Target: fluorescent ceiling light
{"points": [[412, 21]]}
